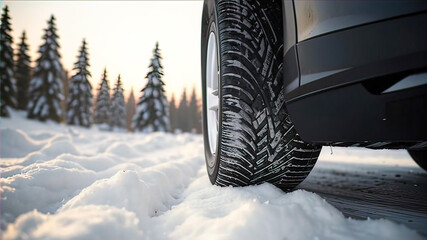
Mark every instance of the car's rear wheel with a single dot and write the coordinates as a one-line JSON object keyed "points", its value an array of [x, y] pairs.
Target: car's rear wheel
{"points": [[249, 136], [420, 157]]}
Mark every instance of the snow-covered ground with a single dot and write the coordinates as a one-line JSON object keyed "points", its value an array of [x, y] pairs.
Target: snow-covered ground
{"points": [[61, 182]]}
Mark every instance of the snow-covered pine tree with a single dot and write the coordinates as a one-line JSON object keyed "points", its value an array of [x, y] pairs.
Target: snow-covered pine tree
{"points": [[153, 108], [22, 73], [118, 109], [193, 112], [173, 113], [7, 81], [79, 99], [130, 110], [45, 91], [103, 104]]}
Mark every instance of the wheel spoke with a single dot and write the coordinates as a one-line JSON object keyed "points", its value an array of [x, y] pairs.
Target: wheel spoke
{"points": [[215, 92], [214, 108]]}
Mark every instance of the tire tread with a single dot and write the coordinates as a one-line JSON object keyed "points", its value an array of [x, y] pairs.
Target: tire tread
{"points": [[259, 143]]}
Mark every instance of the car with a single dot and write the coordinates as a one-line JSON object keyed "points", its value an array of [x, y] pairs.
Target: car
{"points": [[282, 78]]}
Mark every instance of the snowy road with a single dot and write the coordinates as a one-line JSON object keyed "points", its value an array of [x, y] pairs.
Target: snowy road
{"points": [[397, 193], [61, 182]]}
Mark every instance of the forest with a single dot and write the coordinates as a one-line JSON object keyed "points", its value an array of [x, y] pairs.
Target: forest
{"points": [[48, 91]]}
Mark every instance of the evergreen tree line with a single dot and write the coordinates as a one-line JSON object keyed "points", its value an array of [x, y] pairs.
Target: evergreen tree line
{"points": [[111, 111], [185, 115], [39, 91], [46, 92]]}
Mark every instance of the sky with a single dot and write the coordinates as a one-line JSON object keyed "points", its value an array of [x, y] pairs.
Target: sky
{"points": [[121, 36]]}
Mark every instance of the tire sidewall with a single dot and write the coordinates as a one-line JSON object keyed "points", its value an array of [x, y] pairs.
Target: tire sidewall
{"points": [[210, 24]]}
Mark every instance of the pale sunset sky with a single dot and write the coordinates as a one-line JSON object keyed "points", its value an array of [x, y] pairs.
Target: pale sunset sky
{"points": [[120, 36]]}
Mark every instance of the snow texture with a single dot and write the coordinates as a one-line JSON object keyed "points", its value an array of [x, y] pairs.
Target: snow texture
{"points": [[79, 183]]}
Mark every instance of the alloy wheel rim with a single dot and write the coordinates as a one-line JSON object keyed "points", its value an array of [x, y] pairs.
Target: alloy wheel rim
{"points": [[212, 94]]}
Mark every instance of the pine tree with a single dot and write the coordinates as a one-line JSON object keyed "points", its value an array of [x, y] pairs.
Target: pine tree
{"points": [[45, 91], [153, 110], [173, 113], [183, 120], [102, 105], [193, 112], [118, 109], [79, 99], [130, 110], [65, 89], [7, 81], [22, 73]]}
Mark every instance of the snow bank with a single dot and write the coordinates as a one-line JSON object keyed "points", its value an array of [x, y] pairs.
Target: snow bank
{"points": [[63, 182], [265, 212], [87, 222], [43, 186]]}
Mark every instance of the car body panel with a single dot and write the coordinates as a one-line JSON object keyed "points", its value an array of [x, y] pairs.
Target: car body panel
{"points": [[361, 53], [315, 18], [291, 77], [344, 71]]}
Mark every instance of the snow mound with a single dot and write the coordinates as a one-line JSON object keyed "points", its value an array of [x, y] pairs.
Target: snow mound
{"points": [[87, 222], [58, 146], [156, 141], [148, 193], [94, 163], [15, 143], [265, 212], [41, 135], [122, 149], [123, 190], [43, 186]]}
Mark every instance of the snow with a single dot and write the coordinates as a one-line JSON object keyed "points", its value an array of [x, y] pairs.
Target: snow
{"points": [[40, 103], [152, 96], [96, 222], [36, 82], [155, 81], [49, 77], [62, 182], [45, 64], [18, 144], [157, 105]]}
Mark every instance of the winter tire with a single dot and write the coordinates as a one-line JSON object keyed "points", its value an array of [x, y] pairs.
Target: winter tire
{"points": [[249, 137], [420, 157]]}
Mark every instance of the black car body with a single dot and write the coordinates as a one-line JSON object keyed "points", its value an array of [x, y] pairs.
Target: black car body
{"points": [[360, 72]]}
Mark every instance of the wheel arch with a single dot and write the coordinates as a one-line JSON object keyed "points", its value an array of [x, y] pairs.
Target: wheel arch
{"points": [[291, 75]]}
